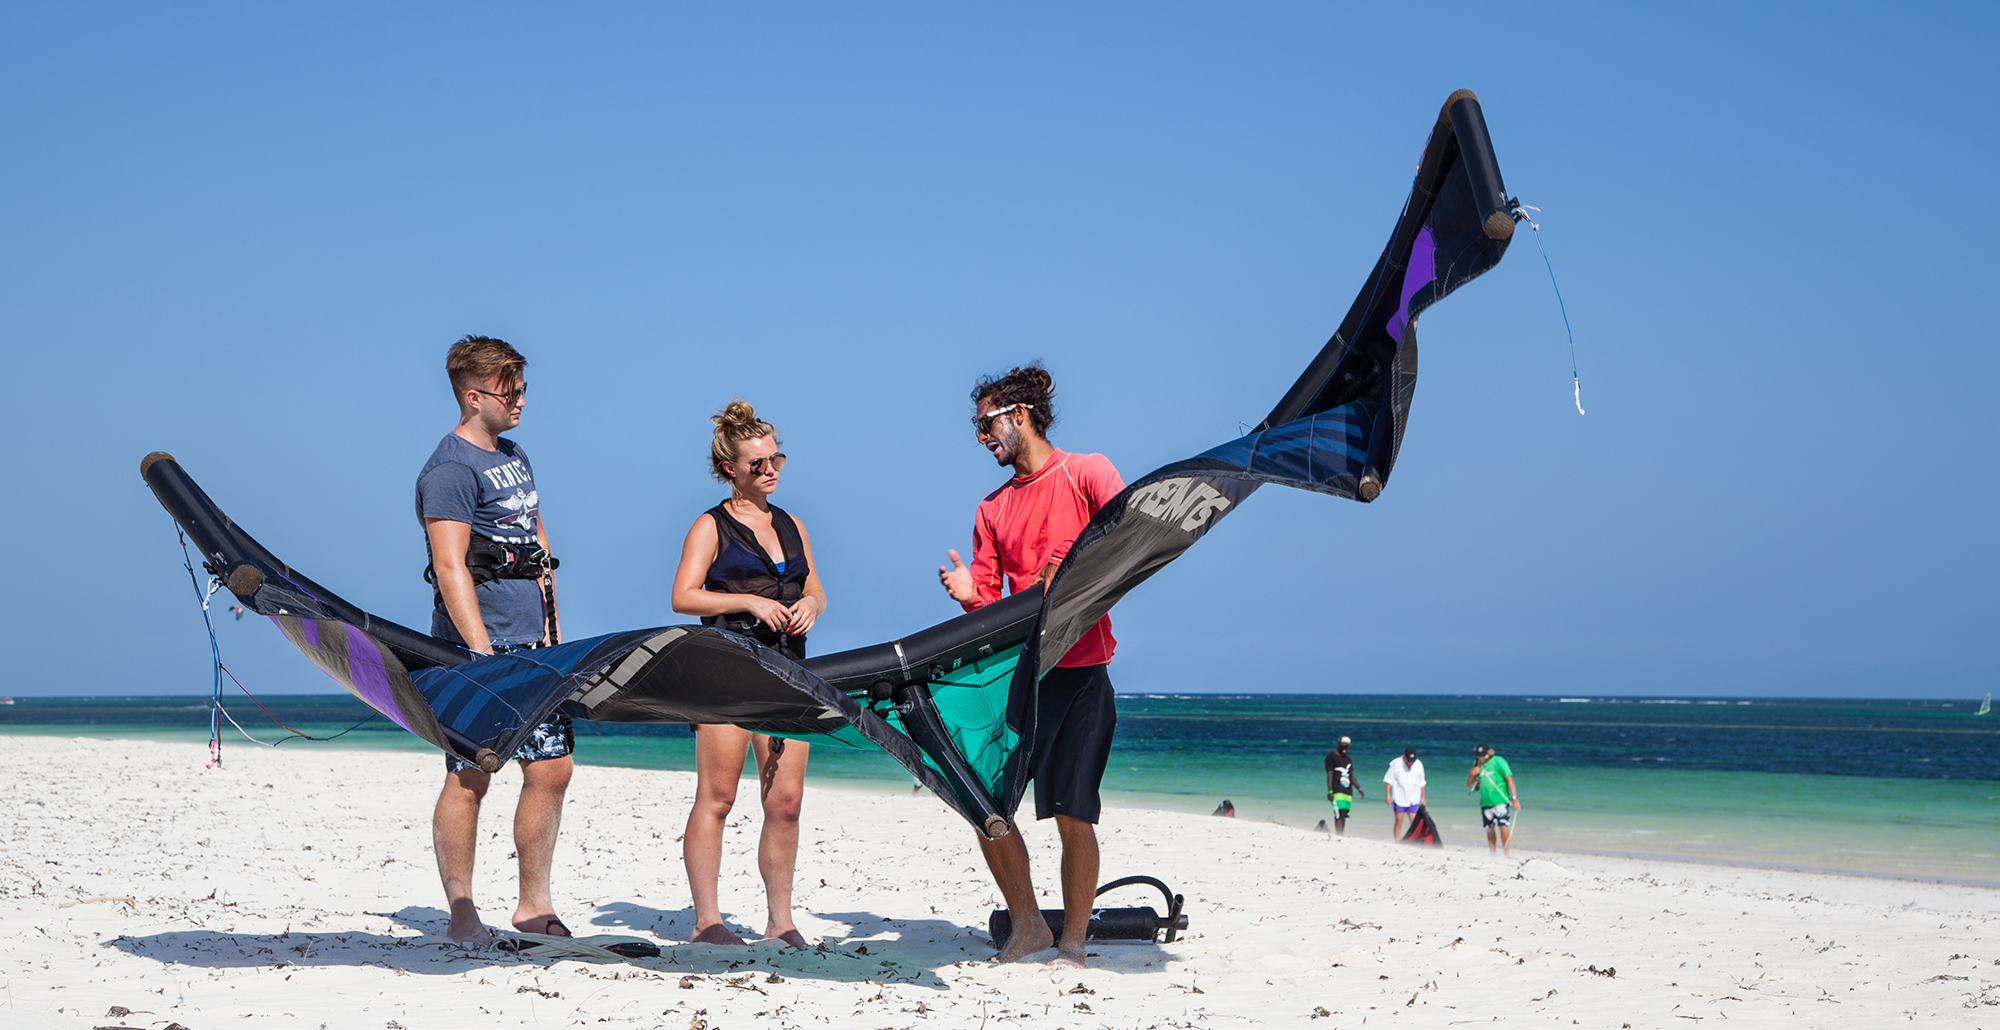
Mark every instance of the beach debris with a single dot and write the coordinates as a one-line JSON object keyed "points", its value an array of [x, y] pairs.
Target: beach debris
{"points": [[121, 899], [1081, 989], [1081, 1007], [774, 978], [1606, 971], [1318, 1012]]}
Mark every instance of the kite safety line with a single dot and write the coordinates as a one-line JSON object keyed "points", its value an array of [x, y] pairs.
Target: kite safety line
{"points": [[217, 713], [1520, 214]]}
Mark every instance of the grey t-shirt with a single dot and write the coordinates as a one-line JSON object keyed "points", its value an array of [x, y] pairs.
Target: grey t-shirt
{"points": [[494, 493]]}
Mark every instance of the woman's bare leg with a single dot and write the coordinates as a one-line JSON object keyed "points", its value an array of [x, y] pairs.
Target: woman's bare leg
{"points": [[718, 751], [782, 779]]}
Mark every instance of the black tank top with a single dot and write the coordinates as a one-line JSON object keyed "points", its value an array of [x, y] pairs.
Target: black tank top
{"points": [[742, 567]]}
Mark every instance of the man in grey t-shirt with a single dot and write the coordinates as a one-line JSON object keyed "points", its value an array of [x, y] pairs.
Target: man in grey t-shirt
{"points": [[478, 490]]}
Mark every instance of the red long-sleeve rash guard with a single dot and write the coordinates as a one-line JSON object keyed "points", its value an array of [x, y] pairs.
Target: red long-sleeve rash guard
{"points": [[1029, 524]]}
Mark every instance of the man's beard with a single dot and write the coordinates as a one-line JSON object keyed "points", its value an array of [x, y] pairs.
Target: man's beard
{"points": [[1009, 438]]}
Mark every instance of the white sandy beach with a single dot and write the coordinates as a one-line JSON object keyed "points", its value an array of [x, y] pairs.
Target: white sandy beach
{"points": [[296, 888]]}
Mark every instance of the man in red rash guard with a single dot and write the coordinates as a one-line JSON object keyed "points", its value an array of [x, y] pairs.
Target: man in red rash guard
{"points": [[1022, 531]]}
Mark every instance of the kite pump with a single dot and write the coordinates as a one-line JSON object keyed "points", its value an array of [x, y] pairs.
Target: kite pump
{"points": [[1109, 924]]}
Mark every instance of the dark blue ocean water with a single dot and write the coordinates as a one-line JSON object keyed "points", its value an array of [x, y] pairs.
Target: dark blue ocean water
{"points": [[1879, 739], [1902, 787]]}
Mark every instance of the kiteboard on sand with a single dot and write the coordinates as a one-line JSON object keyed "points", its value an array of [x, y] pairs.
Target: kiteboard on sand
{"points": [[955, 704], [616, 947]]}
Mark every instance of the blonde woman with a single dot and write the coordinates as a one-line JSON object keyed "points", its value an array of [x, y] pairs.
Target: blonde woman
{"points": [[747, 566]]}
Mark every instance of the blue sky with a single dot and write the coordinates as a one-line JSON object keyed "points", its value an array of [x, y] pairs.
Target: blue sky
{"points": [[245, 235]]}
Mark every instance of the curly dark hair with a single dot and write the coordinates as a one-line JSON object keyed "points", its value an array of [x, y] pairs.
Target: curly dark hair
{"points": [[1029, 385]]}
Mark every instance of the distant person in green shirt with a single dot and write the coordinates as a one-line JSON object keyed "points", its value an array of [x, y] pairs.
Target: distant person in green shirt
{"points": [[1498, 801]]}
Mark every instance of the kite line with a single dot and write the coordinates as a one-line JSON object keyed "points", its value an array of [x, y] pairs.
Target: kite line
{"points": [[216, 712], [1575, 380]]}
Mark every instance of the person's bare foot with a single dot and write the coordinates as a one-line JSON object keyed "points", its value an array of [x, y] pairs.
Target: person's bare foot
{"points": [[466, 927], [1070, 956], [792, 938], [1025, 941], [547, 926], [716, 933]]}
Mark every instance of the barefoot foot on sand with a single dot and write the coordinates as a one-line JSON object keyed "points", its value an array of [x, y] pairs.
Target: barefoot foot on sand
{"points": [[792, 938], [466, 926], [716, 933], [1070, 957], [1025, 941]]}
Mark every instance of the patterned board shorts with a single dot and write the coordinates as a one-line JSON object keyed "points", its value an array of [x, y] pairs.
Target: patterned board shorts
{"points": [[552, 739], [1497, 815]]}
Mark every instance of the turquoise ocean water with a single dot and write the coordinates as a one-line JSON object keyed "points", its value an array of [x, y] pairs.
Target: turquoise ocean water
{"points": [[1907, 788]]}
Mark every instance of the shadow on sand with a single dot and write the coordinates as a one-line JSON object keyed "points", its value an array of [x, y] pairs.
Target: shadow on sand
{"points": [[875, 949]]}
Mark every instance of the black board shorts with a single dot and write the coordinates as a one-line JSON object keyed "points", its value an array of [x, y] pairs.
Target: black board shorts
{"points": [[1075, 716]]}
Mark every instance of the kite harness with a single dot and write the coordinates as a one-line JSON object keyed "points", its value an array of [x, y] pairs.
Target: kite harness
{"points": [[1110, 924], [487, 560]]}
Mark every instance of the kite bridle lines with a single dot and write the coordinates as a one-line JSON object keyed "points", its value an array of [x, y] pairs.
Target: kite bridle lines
{"points": [[1520, 211], [214, 654], [216, 712]]}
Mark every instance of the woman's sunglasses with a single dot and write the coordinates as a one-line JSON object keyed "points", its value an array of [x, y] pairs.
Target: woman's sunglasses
{"points": [[756, 466]]}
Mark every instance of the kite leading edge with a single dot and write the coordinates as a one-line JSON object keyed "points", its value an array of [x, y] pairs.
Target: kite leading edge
{"points": [[954, 704]]}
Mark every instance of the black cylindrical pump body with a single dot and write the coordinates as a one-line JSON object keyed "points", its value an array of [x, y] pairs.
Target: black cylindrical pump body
{"points": [[1106, 924]]}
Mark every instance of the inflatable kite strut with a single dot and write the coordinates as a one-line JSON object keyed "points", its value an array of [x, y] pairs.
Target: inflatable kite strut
{"points": [[955, 703]]}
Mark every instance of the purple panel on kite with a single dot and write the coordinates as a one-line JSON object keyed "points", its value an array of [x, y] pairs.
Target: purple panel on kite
{"points": [[310, 627], [1420, 271], [371, 679]]}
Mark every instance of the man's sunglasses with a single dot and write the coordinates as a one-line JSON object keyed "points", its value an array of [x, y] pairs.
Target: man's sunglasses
{"points": [[510, 398], [984, 423], [756, 465]]}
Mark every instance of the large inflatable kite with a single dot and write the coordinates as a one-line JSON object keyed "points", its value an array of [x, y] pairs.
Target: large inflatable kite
{"points": [[955, 703]]}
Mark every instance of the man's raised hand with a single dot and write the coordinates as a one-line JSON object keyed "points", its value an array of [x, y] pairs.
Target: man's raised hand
{"points": [[957, 580]]}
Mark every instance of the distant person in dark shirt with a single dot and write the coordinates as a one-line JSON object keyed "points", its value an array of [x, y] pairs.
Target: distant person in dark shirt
{"points": [[1342, 789]]}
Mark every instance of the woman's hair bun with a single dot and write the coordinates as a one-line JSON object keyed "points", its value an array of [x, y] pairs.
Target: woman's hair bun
{"points": [[737, 413]]}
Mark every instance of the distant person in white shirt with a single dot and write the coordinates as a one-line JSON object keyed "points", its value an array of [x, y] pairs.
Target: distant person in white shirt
{"points": [[1403, 788]]}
